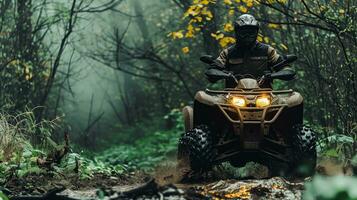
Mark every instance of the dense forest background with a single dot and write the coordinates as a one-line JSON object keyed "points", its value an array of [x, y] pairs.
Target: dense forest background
{"points": [[114, 74]]}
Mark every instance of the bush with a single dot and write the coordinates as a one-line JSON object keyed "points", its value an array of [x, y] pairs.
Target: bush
{"points": [[331, 188], [148, 151]]}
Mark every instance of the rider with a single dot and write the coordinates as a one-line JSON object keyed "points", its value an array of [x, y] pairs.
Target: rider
{"points": [[248, 56]]}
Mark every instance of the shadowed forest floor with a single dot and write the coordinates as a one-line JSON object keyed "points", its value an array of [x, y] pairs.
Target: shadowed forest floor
{"points": [[224, 182]]}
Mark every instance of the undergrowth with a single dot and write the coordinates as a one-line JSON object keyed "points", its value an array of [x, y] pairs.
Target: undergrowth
{"points": [[146, 152], [19, 158]]}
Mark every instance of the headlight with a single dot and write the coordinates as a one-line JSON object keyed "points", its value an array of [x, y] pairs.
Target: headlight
{"points": [[238, 101], [262, 101]]}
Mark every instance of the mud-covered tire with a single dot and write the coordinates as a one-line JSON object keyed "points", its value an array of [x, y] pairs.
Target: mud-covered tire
{"points": [[195, 146], [303, 154]]}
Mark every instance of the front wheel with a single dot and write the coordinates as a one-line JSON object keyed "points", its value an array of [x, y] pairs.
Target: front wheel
{"points": [[303, 153], [195, 149]]}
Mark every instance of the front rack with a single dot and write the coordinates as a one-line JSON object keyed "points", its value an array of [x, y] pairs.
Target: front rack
{"points": [[250, 92], [261, 120]]}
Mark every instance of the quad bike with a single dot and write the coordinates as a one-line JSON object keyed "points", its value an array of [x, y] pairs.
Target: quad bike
{"points": [[248, 123]]}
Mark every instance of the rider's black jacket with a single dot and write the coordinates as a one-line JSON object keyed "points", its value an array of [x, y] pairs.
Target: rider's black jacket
{"points": [[255, 61]]}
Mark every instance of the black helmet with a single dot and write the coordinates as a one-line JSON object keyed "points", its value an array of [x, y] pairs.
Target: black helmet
{"points": [[246, 30]]}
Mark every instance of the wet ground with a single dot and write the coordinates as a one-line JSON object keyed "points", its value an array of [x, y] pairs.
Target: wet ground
{"points": [[161, 184], [251, 182], [273, 188]]}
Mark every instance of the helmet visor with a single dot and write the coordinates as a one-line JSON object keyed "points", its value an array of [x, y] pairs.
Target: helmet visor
{"points": [[246, 35]]}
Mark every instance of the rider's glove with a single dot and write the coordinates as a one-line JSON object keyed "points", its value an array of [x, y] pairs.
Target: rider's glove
{"points": [[267, 76], [217, 65]]}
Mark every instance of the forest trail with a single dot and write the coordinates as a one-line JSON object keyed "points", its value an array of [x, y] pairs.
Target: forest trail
{"points": [[161, 184], [272, 188], [223, 182]]}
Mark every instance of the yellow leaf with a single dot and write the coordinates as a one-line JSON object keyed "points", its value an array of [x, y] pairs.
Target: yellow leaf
{"points": [[185, 50], [176, 35], [193, 10], [260, 38], [190, 27], [249, 3], [243, 9], [199, 19], [231, 12], [190, 34], [228, 27], [341, 11], [217, 36], [266, 40], [238, 1], [205, 2], [284, 46], [273, 26], [225, 41], [207, 13], [228, 2]]}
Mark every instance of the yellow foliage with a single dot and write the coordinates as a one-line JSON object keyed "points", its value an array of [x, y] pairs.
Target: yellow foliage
{"points": [[27, 70], [191, 31], [190, 34], [277, 1], [225, 41], [207, 13], [231, 12], [193, 10], [284, 46], [176, 35], [228, 2], [249, 3], [217, 35], [273, 26], [203, 2], [266, 40], [15, 62], [243, 9], [228, 27], [260, 38], [238, 1], [185, 50]]}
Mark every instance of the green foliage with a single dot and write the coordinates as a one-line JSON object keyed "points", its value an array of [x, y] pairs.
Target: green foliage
{"points": [[148, 151], [17, 130], [85, 167], [3, 196], [144, 153], [334, 144], [21, 163], [25, 162], [331, 188]]}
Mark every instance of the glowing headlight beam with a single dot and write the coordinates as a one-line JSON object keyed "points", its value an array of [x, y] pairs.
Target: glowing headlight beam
{"points": [[262, 101], [238, 101]]}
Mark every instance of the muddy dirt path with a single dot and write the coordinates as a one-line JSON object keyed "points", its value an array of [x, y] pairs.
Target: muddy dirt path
{"points": [[249, 183], [273, 188], [161, 184]]}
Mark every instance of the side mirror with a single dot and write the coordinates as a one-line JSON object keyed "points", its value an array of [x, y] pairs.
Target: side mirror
{"points": [[216, 74], [207, 59], [285, 75]]}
